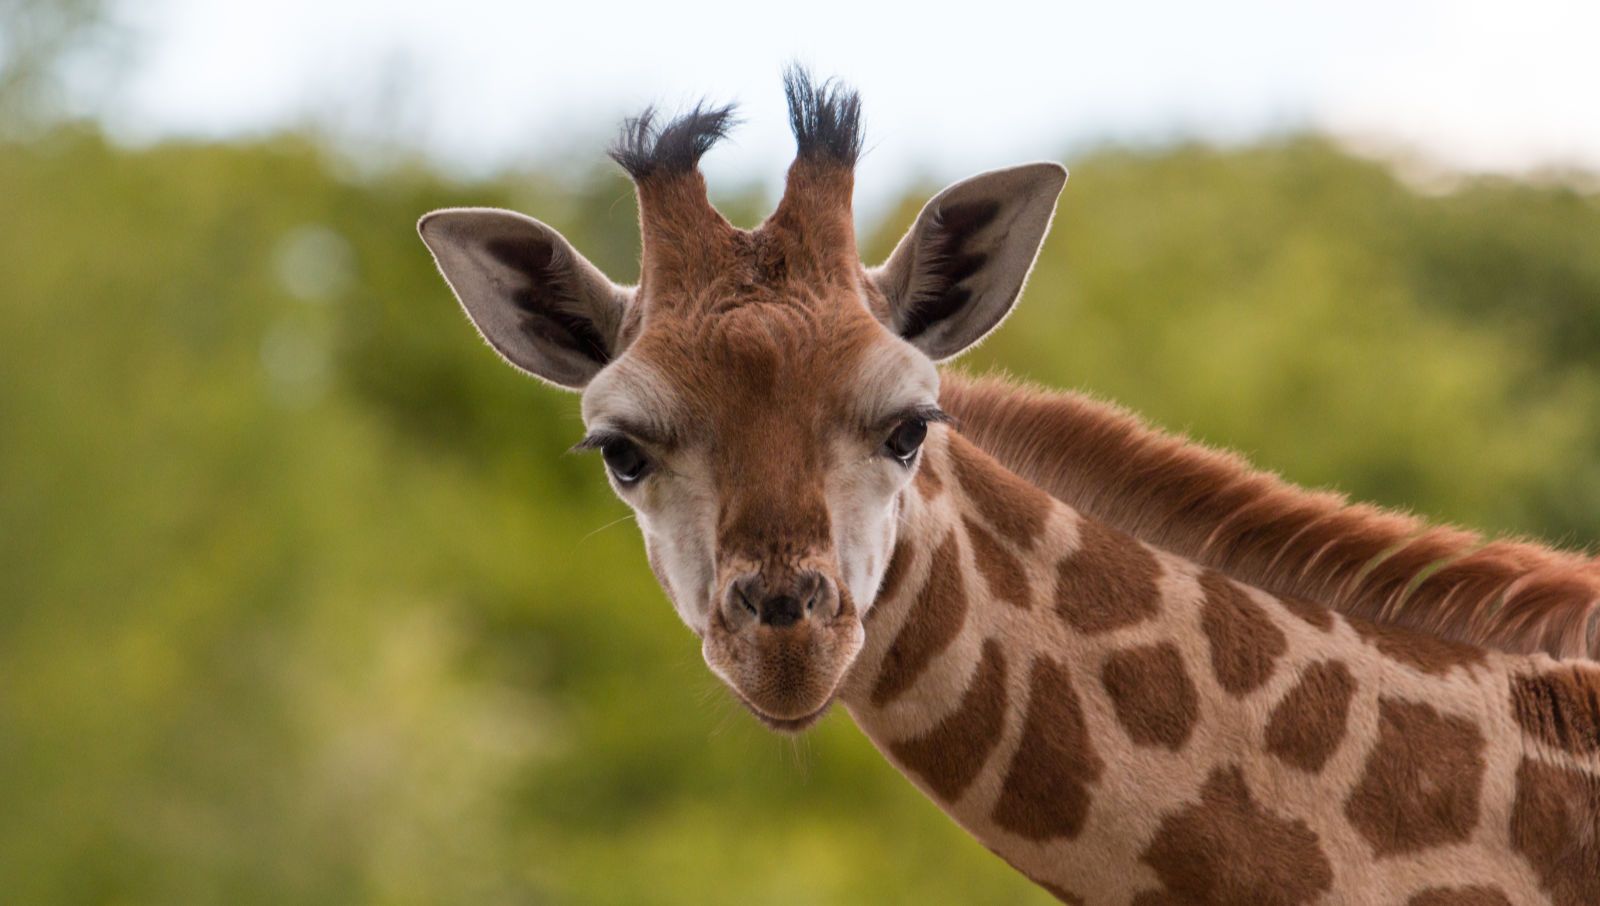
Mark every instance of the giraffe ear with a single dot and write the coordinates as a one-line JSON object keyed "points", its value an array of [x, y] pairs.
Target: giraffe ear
{"points": [[539, 303], [957, 273]]}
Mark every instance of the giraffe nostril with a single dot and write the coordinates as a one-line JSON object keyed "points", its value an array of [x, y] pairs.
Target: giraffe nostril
{"points": [[779, 611], [754, 599]]}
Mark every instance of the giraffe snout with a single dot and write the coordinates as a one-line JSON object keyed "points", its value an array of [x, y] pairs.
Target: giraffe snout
{"points": [[779, 601]]}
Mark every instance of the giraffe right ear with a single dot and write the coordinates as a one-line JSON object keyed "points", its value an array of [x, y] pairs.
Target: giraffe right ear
{"points": [[959, 270], [539, 303]]}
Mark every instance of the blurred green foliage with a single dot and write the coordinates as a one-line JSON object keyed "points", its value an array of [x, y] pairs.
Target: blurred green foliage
{"points": [[302, 602]]}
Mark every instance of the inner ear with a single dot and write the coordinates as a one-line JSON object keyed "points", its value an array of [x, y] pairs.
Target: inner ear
{"points": [[552, 309], [953, 254], [537, 302], [960, 268]]}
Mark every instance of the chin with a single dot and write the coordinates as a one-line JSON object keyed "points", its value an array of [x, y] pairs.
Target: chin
{"points": [[789, 725]]}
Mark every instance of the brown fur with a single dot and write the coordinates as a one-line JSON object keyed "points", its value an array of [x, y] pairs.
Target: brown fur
{"points": [[1309, 723], [1093, 599], [1216, 509], [950, 754], [1245, 643], [1003, 572], [931, 629], [1046, 790], [1414, 649], [1560, 707], [1553, 826], [1229, 849], [1152, 695], [1005, 501], [1422, 781]]}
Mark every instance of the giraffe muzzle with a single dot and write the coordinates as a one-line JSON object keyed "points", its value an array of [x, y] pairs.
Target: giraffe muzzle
{"points": [[783, 641]]}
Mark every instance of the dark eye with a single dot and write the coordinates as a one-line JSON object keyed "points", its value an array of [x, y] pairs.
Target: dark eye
{"points": [[625, 460], [906, 439]]}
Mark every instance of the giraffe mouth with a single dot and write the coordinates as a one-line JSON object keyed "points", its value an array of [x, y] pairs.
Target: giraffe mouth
{"points": [[788, 678], [789, 725]]}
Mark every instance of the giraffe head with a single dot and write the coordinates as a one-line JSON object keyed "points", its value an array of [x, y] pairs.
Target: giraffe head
{"points": [[760, 397]]}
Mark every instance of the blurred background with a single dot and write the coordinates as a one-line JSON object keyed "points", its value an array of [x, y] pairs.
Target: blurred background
{"points": [[302, 602]]}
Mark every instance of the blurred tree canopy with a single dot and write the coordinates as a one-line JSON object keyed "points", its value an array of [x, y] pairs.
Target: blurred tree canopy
{"points": [[301, 600]]}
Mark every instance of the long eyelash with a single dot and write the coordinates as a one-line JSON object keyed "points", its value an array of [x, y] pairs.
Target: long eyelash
{"points": [[596, 440]]}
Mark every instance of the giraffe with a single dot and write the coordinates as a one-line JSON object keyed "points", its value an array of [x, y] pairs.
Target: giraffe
{"points": [[1120, 723]]}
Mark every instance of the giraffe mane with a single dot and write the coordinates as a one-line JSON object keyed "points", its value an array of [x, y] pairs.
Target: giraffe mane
{"points": [[1214, 507]]}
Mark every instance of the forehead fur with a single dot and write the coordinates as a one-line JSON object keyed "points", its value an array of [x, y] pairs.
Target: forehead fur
{"points": [[788, 352]]}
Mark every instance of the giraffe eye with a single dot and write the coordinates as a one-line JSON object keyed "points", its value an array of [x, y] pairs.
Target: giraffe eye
{"points": [[906, 439], [625, 460]]}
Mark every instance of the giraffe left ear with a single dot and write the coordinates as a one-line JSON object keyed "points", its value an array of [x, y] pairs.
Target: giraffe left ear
{"points": [[958, 271]]}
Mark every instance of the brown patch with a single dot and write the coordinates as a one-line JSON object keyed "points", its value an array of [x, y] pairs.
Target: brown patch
{"points": [[929, 484], [1555, 824], [1308, 724], [1107, 583], [932, 625], [949, 756], [1046, 790], [1560, 708], [1004, 573], [1154, 698], [1421, 782], [1245, 643], [1318, 616], [1016, 509], [1476, 895], [1414, 648], [1227, 849]]}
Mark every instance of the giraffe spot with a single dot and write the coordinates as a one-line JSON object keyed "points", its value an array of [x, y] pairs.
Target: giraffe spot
{"points": [[1309, 723], [1154, 699], [1430, 654], [1560, 708], [1553, 825], [1004, 573], [1421, 782], [1016, 509], [1107, 583], [1317, 615], [1227, 849], [1476, 895], [949, 755], [927, 480], [1245, 643], [1046, 790], [931, 626], [894, 573]]}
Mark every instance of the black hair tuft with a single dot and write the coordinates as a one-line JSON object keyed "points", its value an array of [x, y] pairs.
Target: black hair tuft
{"points": [[826, 118], [646, 146]]}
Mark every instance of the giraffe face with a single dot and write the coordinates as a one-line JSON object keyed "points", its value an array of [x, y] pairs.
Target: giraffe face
{"points": [[760, 397], [764, 449]]}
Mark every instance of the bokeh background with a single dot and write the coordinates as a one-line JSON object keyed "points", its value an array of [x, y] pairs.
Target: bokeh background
{"points": [[301, 600]]}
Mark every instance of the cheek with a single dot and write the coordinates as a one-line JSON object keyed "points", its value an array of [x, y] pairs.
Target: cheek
{"points": [[678, 531], [863, 507]]}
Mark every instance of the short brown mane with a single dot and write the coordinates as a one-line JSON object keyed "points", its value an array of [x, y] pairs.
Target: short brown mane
{"points": [[1215, 508]]}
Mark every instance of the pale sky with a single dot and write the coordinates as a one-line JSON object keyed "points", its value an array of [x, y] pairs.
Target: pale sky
{"points": [[948, 88]]}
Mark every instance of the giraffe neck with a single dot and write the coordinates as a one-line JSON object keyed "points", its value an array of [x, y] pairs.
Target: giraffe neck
{"points": [[1122, 725]]}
